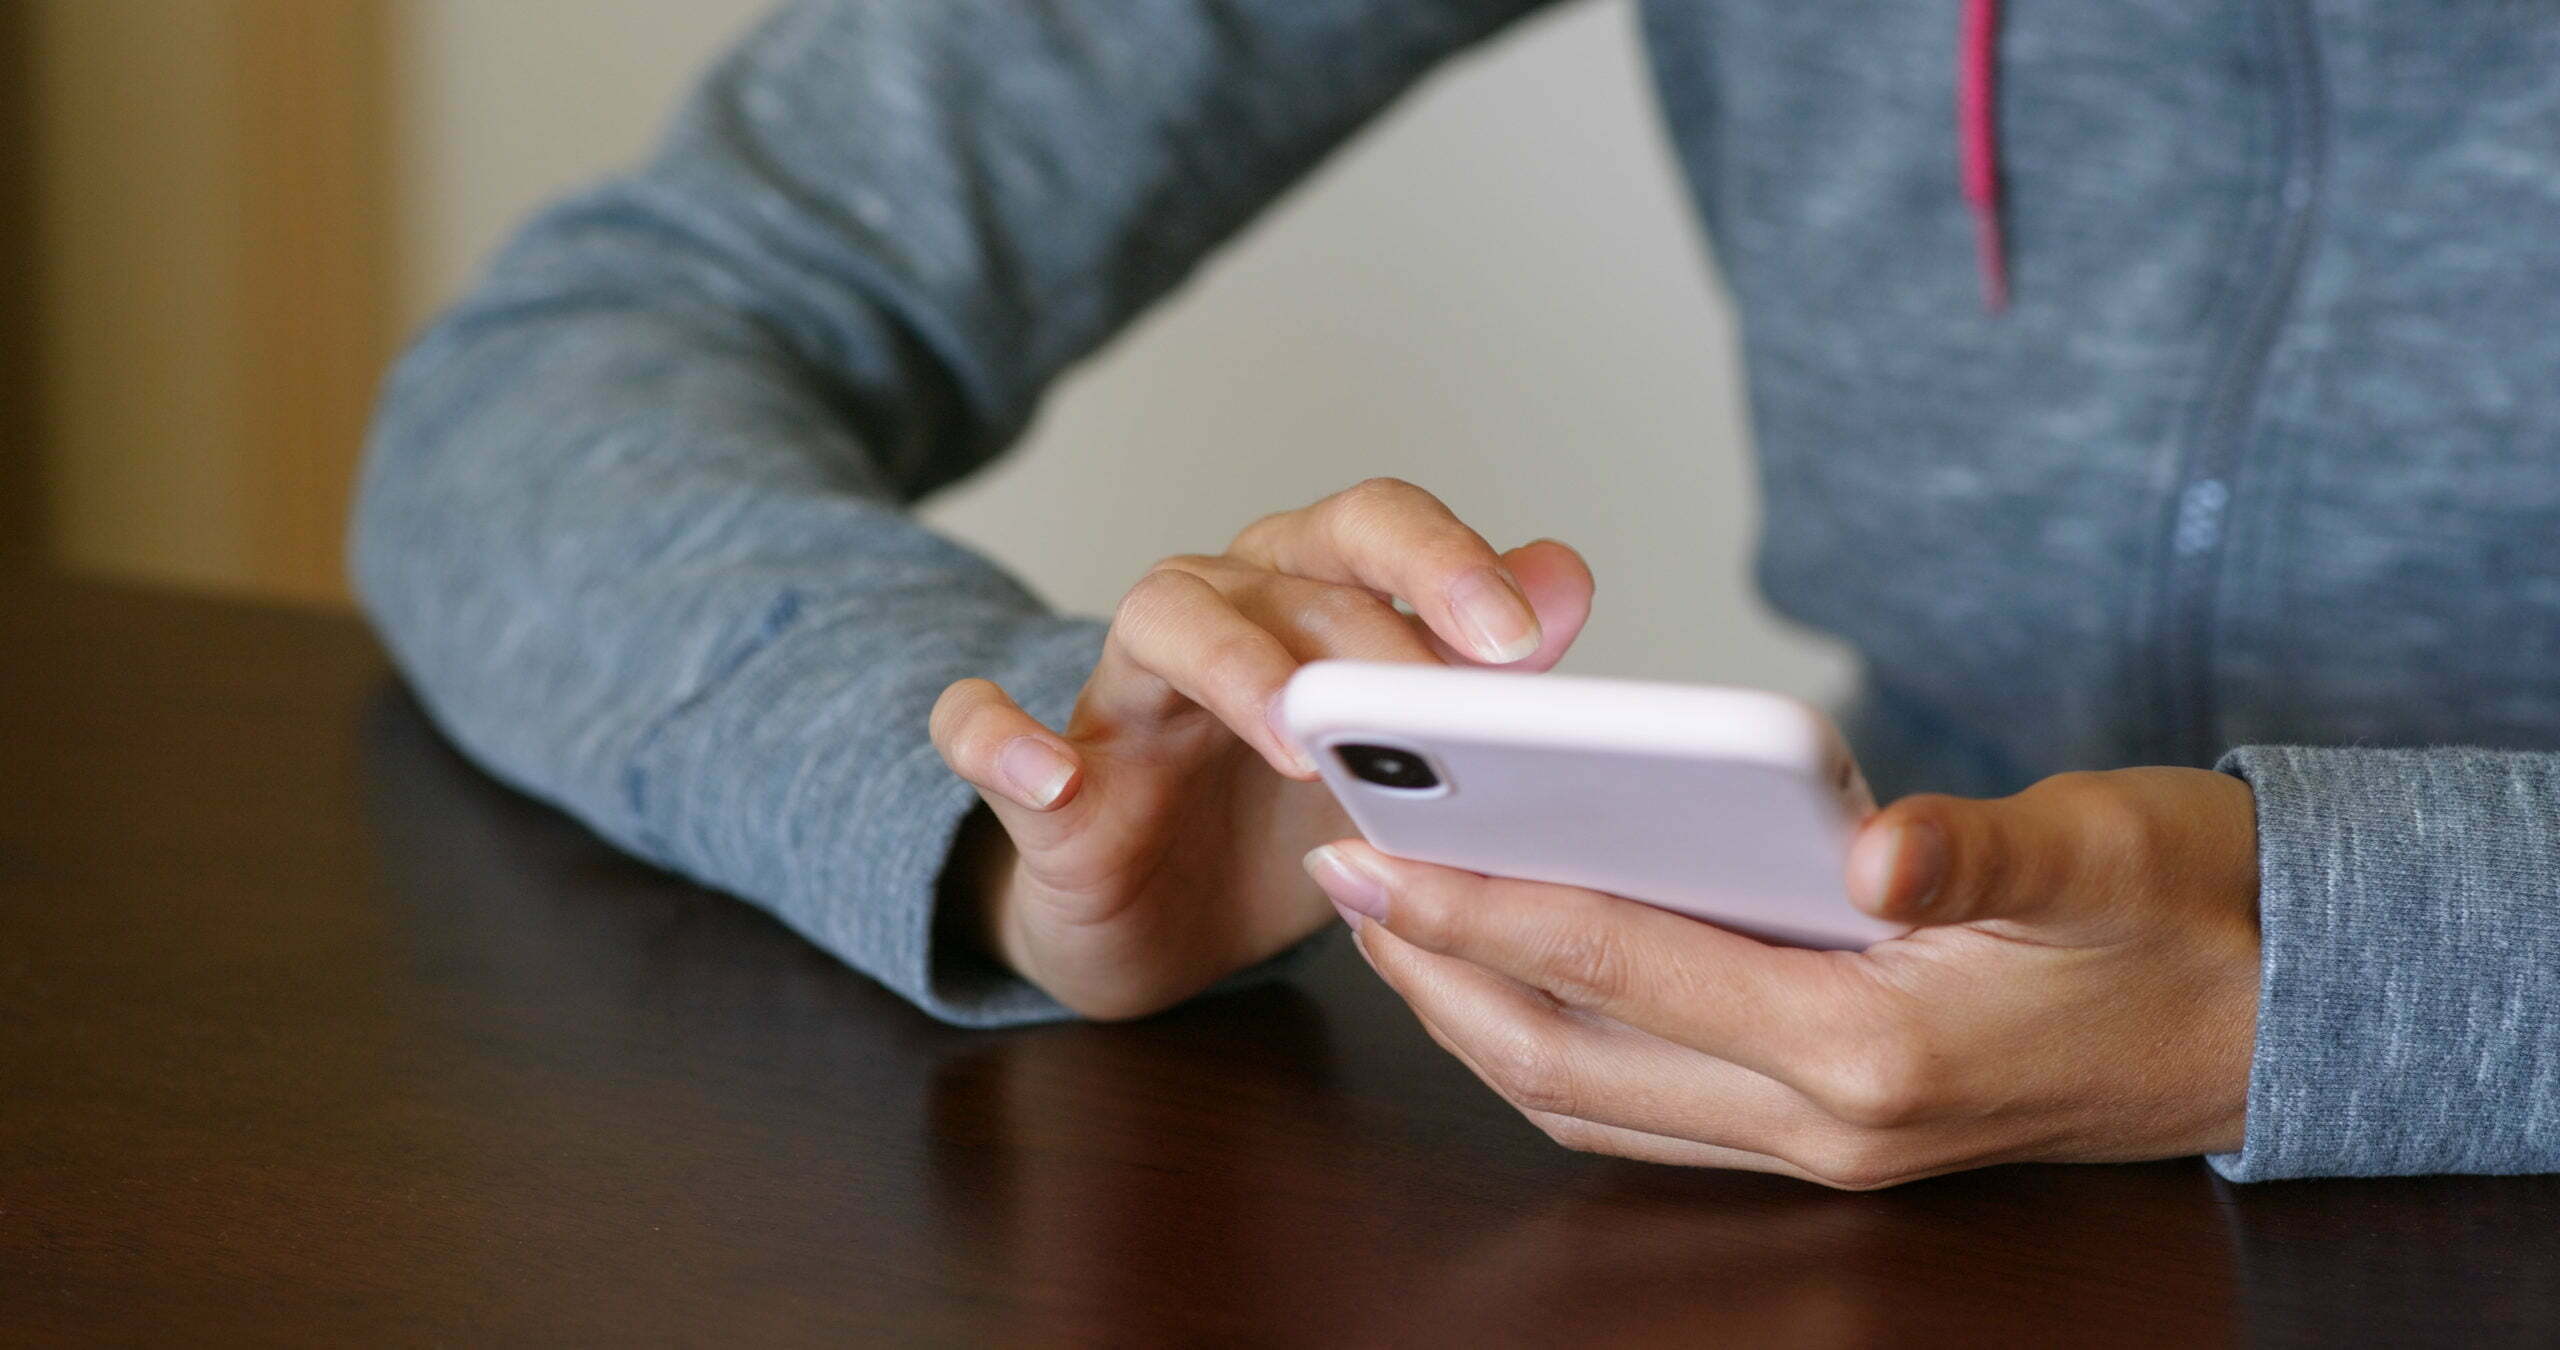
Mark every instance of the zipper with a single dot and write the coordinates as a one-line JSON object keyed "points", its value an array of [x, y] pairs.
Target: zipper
{"points": [[2195, 533]]}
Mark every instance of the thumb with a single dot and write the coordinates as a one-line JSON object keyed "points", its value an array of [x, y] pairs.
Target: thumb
{"points": [[1558, 584], [1931, 860]]}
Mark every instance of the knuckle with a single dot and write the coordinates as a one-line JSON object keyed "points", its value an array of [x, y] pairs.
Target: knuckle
{"points": [[2106, 814], [1376, 506], [1586, 965], [1884, 1084], [2075, 783], [1155, 597], [1325, 610], [951, 708], [1381, 493], [2083, 792], [961, 720], [2123, 823], [1114, 1004], [1412, 515], [1234, 662], [1855, 1162], [1572, 1132], [1256, 536], [1429, 914], [1532, 1071]]}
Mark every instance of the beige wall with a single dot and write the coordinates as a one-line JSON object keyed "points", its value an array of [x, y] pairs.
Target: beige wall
{"points": [[1497, 295], [141, 393], [210, 235], [506, 103]]}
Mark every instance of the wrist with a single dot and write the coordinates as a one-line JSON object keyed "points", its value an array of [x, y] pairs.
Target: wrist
{"points": [[970, 914]]}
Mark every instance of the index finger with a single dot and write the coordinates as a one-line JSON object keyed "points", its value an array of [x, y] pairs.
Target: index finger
{"points": [[1390, 536], [1779, 1011]]}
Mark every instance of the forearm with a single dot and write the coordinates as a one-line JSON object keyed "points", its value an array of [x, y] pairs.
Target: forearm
{"points": [[633, 517], [636, 574]]}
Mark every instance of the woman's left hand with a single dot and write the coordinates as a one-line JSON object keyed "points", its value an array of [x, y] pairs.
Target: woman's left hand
{"points": [[2081, 985]]}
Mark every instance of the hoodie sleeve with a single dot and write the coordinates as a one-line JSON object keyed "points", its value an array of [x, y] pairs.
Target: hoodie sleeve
{"points": [[2409, 1005], [632, 520]]}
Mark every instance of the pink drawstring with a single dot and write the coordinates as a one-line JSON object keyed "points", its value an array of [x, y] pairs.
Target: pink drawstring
{"points": [[1978, 144]]}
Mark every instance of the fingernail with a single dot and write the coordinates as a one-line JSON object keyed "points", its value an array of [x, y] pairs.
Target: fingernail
{"points": [[1909, 856], [1920, 865], [1280, 737], [1350, 887], [1350, 917], [1871, 866], [1496, 617], [1035, 771]]}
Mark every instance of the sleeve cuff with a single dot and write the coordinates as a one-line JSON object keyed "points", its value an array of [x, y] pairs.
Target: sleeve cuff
{"points": [[2409, 908], [807, 785], [954, 983], [963, 987]]}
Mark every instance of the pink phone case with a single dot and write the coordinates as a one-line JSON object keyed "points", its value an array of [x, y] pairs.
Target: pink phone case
{"points": [[1730, 805]]}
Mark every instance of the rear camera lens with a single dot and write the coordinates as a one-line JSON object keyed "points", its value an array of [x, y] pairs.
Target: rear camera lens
{"points": [[1387, 767]]}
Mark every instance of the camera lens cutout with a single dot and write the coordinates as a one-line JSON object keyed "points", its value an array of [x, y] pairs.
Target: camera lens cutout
{"points": [[1388, 767]]}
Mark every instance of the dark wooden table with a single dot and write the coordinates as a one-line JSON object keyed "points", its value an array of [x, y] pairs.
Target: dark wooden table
{"points": [[310, 1033]]}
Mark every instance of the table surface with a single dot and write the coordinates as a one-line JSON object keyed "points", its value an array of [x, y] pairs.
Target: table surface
{"points": [[310, 1032]]}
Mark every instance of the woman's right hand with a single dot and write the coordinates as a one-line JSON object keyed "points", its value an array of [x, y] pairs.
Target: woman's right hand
{"points": [[1154, 847]]}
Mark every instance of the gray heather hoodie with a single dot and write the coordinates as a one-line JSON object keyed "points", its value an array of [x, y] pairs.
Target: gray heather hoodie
{"points": [[2260, 464]]}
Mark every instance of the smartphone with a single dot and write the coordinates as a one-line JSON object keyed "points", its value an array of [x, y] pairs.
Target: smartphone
{"points": [[1730, 805]]}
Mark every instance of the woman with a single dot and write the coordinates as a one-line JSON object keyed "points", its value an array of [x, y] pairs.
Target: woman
{"points": [[2172, 444]]}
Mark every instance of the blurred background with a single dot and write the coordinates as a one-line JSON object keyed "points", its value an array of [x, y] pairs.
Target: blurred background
{"points": [[221, 217]]}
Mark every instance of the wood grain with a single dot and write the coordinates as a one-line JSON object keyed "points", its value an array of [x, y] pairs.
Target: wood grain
{"points": [[310, 1033]]}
